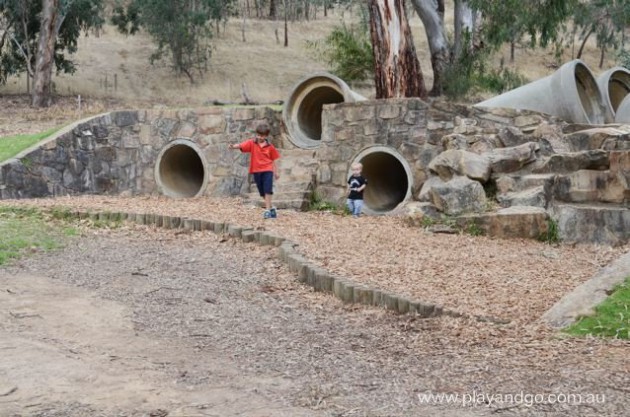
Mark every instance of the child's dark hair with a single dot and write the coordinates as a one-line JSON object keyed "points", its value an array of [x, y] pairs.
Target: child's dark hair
{"points": [[263, 129]]}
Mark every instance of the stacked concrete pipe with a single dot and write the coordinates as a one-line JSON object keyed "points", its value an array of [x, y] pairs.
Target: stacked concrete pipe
{"points": [[302, 111], [615, 86], [571, 93]]}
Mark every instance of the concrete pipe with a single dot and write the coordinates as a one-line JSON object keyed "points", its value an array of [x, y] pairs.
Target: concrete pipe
{"points": [[389, 178], [302, 111], [615, 86], [622, 115], [180, 170], [570, 93]]}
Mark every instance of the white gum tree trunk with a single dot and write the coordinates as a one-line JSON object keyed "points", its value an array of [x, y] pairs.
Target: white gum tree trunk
{"points": [[50, 23], [431, 13], [464, 22]]}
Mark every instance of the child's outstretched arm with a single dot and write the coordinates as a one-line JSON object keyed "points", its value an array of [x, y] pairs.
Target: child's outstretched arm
{"points": [[234, 146]]}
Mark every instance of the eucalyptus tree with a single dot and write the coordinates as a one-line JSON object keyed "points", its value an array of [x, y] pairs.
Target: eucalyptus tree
{"points": [[606, 19], [482, 25], [181, 29], [36, 35]]}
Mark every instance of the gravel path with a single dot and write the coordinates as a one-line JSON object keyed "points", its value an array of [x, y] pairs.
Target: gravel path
{"points": [[214, 299]]}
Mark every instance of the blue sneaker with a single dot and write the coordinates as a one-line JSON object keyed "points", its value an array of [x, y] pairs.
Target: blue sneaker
{"points": [[273, 213], [267, 214]]}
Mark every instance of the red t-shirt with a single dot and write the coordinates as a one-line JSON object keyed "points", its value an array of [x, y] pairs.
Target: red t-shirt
{"points": [[262, 157]]}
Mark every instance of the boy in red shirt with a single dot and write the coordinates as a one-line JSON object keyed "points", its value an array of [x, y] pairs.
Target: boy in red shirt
{"points": [[262, 164]]}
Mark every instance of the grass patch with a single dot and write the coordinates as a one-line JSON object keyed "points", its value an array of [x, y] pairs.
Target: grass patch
{"points": [[552, 236], [474, 229], [13, 145], [611, 318], [28, 230], [318, 203]]}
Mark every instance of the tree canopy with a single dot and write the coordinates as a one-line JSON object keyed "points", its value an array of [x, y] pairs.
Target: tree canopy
{"points": [[181, 29], [20, 26]]}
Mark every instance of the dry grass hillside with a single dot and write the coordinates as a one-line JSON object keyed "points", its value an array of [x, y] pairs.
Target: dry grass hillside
{"points": [[261, 63]]}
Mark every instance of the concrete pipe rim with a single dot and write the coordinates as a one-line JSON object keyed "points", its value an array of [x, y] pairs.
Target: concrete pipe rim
{"points": [[403, 193], [615, 84], [298, 135], [168, 186], [577, 81]]}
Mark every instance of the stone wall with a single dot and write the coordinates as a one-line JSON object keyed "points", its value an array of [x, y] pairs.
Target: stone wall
{"points": [[418, 133], [117, 152]]}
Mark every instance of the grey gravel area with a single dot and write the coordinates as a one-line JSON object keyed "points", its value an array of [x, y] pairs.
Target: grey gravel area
{"points": [[237, 301]]}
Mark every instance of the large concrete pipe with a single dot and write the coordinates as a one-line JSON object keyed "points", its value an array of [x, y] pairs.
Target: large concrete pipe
{"points": [[570, 93], [615, 86], [389, 178], [622, 115], [302, 111], [180, 170]]}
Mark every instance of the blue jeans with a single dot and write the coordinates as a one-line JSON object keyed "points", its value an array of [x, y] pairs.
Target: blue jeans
{"points": [[355, 206]]}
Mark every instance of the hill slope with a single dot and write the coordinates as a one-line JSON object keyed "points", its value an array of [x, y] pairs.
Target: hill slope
{"points": [[264, 66]]}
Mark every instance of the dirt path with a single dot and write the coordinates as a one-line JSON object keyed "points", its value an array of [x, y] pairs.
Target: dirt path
{"points": [[140, 322], [143, 323], [70, 352]]}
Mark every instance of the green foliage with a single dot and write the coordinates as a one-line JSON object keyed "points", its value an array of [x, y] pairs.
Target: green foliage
{"points": [[606, 19], [611, 318], [499, 80], [541, 19], [427, 221], [317, 203], [552, 236], [623, 58], [20, 31], [473, 229], [181, 29], [26, 230], [61, 213], [348, 51], [470, 74]]}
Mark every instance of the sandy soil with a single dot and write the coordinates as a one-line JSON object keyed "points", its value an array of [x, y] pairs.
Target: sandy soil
{"points": [[143, 322]]}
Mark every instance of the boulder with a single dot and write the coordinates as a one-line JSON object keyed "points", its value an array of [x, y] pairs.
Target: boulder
{"points": [[512, 159], [460, 163], [459, 195]]}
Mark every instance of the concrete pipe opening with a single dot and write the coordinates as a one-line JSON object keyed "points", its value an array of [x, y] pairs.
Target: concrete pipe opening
{"points": [[302, 111], [615, 86], [389, 179], [571, 93], [180, 170]]}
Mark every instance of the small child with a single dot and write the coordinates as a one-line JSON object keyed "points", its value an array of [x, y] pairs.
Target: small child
{"points": [[262, 165], [356, 185]]}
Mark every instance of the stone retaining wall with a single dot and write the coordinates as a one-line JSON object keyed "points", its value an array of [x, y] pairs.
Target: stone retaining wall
{"points": [[116, 153], [415, 130]]}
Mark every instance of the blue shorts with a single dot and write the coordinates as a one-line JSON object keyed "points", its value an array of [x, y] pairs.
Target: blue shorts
{"points": [[264, 182]]}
